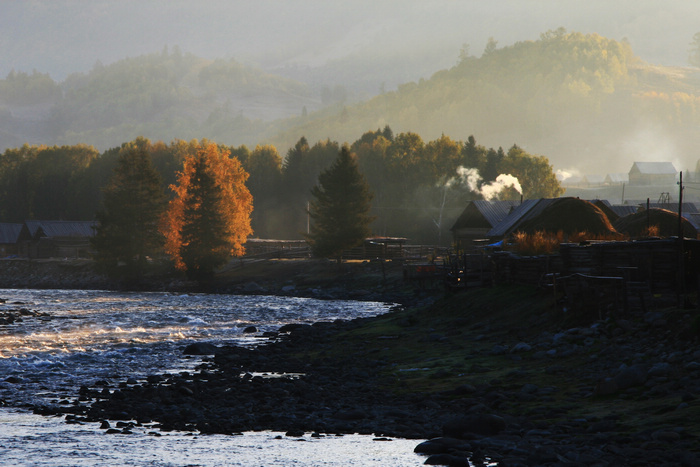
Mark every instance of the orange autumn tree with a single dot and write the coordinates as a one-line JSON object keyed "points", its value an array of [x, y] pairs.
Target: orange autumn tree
{"points": [[208, 221]]}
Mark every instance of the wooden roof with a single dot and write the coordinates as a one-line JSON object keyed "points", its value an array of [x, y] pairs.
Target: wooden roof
{"points": [[528, 209], [653, 168], [9, 233], [484, 214], [38, 229]]}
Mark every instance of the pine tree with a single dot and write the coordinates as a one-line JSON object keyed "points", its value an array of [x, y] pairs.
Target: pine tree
{"points": [[209, 219], [127, 232], [340, 208]]}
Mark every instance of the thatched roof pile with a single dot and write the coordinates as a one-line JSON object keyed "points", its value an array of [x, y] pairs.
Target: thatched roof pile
{"points": [[570, 216], [635, 225]]}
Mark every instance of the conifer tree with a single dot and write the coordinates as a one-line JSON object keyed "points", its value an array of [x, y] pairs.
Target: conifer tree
{"points": [[127, 231], [339, 208], [208, 221]]}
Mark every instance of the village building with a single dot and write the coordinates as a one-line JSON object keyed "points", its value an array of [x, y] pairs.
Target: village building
{"points": [[9, 235], [478, 218], [616, 179], [652, 173], [528, 209], [615, 211], [62, 239]]}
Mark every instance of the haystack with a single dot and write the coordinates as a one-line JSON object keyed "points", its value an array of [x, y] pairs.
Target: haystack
{"points": [[635, 225], [570, 216]]}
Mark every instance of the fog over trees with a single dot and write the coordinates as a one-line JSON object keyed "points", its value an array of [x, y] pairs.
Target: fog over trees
{"points": [[587, 87]]}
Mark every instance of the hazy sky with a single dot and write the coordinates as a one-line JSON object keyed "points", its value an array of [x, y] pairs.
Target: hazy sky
{"points": [[64, 36]]}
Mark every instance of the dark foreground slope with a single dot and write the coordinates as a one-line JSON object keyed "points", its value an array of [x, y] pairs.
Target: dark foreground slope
{"points": [[497, 373]]}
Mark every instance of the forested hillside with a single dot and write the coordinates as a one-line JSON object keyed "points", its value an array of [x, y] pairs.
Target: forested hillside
{"points": [[583, 100], [163, 96], [565, 100]]}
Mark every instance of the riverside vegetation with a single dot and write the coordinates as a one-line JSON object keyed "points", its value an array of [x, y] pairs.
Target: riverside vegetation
{"points": [[496, 374]]}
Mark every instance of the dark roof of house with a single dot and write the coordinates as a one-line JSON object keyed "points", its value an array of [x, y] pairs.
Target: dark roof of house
{"points": [[527, 210], [694, 219], [9, 233], [490, 212], [623, 210], [61, 228]]}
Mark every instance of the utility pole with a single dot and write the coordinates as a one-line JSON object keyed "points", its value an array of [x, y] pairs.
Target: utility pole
{"points": [[681, 263], [680, 206]]}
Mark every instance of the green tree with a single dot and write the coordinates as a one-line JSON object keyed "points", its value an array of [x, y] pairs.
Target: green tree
{"points": [[264, 165], [339, 208], [38, 182], [534, 173], [127, 232], [295, 193], [491, 46], [473, 155]]}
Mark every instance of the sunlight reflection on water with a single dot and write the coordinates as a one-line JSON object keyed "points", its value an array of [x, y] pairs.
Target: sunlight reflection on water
{"points": [[32, 440], [110, 336]]}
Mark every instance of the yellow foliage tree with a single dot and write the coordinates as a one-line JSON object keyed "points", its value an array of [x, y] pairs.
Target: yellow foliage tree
{"points": [[208, 221]]}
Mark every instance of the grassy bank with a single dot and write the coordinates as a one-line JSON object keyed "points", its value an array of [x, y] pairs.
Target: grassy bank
{"points": [[513, 350]]}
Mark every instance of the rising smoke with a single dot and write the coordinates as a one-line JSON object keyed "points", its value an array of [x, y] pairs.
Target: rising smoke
{"points": [[490, 191]]}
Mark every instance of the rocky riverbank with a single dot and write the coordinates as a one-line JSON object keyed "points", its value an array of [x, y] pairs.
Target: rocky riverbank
{"points": [[316, 278], [491, 375]]}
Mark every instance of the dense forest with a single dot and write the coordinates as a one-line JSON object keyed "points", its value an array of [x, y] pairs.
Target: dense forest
{"points": [[585, 101], [419, 188]]}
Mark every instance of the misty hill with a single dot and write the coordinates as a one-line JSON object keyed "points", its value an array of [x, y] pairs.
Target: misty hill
{"points": [[165, 96], [582, 100]]}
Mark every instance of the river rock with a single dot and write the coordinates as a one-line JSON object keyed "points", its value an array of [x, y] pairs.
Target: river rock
{"points": [[631, 376], [659, 369], [480, 425], [447, 459], [200, 348], [442, 445], [606, 387], [521, 347]]}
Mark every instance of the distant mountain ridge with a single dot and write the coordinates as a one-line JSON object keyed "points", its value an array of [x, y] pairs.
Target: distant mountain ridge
{"points": [[164, 96], [583, 101]]}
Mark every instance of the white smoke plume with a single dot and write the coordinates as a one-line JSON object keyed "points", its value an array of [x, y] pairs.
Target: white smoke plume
{"points": [[565, 174], [471, 178], [491, 190], [466, 176]]}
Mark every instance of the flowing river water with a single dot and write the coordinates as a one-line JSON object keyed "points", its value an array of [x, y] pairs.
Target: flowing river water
{"points": [[91, 336]]}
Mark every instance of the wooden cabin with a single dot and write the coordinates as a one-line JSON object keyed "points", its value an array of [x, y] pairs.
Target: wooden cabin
{"points": [[652, 173], [56, 239], [478, 218], [9, 236]]}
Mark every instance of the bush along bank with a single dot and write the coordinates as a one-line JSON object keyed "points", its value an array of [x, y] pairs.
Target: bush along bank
{"points": [[498, 375]]}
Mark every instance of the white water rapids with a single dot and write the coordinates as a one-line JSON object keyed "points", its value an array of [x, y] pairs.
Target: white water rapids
{"points": [[91, 336]]}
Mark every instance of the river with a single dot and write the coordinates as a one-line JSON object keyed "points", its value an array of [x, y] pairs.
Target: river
{"points": [[90, 336]]}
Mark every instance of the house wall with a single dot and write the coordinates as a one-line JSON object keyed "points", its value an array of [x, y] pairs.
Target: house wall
{"points": [[651, 179]]}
